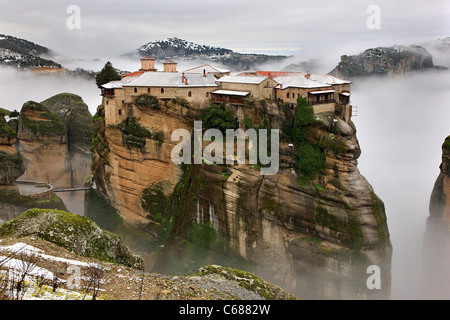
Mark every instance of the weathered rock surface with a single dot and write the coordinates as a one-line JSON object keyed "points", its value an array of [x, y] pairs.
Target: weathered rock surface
{"points": [[315, 240], [11, 162], [54, 138], [391, 61], [119, 282]]}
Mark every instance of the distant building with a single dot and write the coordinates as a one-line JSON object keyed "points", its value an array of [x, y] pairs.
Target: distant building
{"points": [[48, 70], [208, 69]]}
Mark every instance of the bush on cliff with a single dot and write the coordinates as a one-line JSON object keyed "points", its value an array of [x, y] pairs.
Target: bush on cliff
{"points": [[219, 117], [147, 100], [310, 157]]}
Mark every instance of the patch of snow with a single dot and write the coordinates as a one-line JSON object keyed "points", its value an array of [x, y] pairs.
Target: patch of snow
{"points": [[30, 250]]}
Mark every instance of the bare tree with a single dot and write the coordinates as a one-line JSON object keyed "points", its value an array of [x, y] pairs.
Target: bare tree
{"points": [[56, 281], [26, 263], [16, 266], [95, 276]]}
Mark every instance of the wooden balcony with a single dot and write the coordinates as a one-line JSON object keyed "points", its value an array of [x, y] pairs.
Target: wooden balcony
{"points": [[228, 100], [316, 102]]}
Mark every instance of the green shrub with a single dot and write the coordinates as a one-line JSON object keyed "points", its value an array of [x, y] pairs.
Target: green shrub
{"points": [[310, 160], [158, 136], [446, 144], [310, 157], [147, 100], [219, 117], [304, 117], [202, 235], [133, 134]]}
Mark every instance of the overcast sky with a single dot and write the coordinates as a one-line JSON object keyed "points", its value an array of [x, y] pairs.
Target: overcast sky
{"points": [[310, 27]]}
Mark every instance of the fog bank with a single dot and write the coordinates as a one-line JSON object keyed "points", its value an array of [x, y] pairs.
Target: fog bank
{"points": [[402, 123], [20, 86]]}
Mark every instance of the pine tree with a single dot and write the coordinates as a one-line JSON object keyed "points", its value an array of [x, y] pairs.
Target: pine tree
{"points": [[107, 74]]}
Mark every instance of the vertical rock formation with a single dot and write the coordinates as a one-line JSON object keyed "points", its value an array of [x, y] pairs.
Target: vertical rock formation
{"points": [[76, 116], [11, 161], [437, 235], [54, 139], [43, 143], [315, 239]]}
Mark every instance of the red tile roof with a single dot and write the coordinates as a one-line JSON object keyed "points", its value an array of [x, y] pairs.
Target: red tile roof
{"points": [[132, 74]]}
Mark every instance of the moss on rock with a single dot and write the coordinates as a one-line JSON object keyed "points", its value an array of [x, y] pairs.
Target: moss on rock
{"points": [[249, 281], [48, 122], [76, 233], [76, 116]]}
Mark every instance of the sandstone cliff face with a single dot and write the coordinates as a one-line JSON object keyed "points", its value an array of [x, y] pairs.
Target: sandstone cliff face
{"points": [[314, 239], [122, 170], [396, 60], [11, 162], [437, 234], [54, 139]]}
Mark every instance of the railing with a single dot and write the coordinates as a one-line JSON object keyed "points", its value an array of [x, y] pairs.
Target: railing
{"points": [[70, 189]]}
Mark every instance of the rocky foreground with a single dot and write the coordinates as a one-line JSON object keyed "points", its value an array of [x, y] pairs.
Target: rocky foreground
{"points": [[41, 243]]}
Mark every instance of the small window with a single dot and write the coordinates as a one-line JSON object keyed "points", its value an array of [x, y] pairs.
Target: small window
{"points": [[287, 95], [189, 94], [207, 94], [107, 102], [120, 112], [135, 90], [149, 90], [123, 101], [162, 90]]}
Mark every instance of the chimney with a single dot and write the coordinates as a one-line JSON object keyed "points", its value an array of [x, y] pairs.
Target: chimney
{"points": [[170, 66], [147, 64], [182, 78], [204, 72]]}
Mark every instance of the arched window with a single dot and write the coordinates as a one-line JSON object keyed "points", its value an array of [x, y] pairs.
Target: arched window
{"points": [[149, 90], [135, 90], [189, 94], [287, 95], [162, 90]]}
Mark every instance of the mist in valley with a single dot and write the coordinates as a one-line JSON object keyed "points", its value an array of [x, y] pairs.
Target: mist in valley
{"points": [[401, 125]]}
